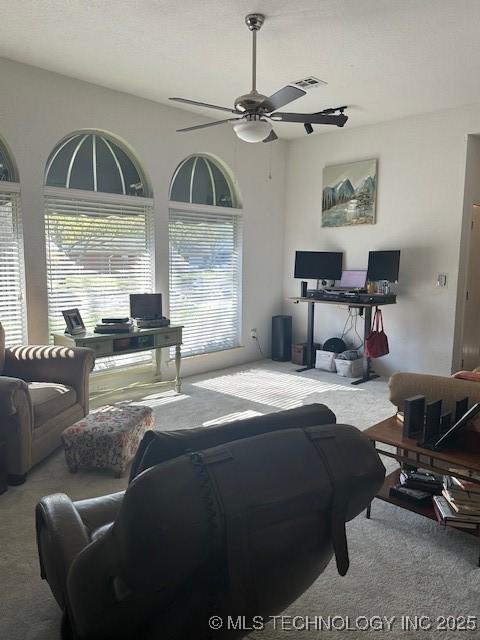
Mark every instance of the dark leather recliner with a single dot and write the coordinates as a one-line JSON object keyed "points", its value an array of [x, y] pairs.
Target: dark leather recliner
{"points": [[240, 528]]}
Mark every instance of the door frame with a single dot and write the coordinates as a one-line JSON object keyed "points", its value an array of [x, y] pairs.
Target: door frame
{"points": [[463, 284]]}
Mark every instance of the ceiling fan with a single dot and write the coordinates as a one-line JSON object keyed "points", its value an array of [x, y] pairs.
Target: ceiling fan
{"points": [[254, 110]]}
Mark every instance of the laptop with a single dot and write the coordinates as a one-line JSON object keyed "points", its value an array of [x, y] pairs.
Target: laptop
{"points": [[352, 280]]}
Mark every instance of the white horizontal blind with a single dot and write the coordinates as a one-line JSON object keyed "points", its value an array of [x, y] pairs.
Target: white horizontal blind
{"points": [[12, 307], [97, 254], [205, 279]]}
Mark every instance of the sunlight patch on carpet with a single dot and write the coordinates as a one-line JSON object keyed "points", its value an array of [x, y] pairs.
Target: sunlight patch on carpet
{"points": [[281, 390], [232, 417], [159, 399]]}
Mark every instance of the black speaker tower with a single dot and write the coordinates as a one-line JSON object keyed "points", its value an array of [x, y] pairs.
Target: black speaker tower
{"points": [[282, 338], [413, 416]]}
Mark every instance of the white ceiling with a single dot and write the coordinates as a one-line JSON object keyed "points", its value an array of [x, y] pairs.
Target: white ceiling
{"points": [[385, 58]]}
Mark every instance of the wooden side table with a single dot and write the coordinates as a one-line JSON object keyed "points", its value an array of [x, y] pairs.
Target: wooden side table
{"points": [[465, 460]]}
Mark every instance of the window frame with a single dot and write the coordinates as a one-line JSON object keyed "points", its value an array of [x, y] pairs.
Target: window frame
{"points": [[96, 196], [14, 189]]}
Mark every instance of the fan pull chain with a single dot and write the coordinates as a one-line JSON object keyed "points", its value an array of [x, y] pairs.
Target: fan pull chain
{"points": [[235, 143], [270, 151]]}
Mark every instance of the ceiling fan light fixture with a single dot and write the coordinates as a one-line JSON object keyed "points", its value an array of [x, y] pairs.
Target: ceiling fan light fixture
{"points": [[252, 129], [253, 107]]}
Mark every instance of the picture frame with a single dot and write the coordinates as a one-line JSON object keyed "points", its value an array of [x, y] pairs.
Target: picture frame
{"points": [[349, 194], [74, 322]]}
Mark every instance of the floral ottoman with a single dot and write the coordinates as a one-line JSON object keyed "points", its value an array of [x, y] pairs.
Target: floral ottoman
{"points": [[106, 438]]}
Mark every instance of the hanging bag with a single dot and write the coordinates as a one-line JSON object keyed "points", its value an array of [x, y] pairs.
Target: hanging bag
{"points": [[376, 344]]}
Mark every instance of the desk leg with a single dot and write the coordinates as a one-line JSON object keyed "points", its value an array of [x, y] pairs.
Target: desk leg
{"points": [[310, 342], [369, 508], [178, 358], [158, 364], [367, 371]]}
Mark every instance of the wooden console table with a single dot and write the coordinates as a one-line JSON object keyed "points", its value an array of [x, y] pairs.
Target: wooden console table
{"points": [[115, 344], [465, 460]]}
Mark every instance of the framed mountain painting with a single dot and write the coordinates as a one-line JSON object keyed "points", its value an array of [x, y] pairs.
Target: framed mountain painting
{"points": [[349, 194]]}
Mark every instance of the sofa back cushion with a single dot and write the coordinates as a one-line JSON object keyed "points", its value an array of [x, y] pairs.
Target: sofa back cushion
{"points": [[159, 446], [433, 387]]}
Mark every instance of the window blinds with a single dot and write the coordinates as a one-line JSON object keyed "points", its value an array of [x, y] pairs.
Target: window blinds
{"points": [[205, 279], [97, 254], [12, 307]]}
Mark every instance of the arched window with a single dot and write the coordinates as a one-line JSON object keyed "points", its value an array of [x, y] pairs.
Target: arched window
{"points": [[205, 238], [8, 171], [12, 304], [98, 230], [93, 162], [201, 180]]}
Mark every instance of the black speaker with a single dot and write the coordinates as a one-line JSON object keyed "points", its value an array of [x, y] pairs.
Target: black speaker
{"points": [[445, 423], [413, 416], [303, 288], [461, 408], [431, 427], [282, 338]]}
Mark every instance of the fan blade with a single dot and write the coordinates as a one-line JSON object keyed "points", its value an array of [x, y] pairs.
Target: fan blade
{"points": [[281, 98], [203, 104], [272, 136], [208, 124], [334, 109], [311, 118]]}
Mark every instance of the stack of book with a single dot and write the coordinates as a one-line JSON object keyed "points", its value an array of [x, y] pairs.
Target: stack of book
{"points": [[114, 325], [459, 504]]}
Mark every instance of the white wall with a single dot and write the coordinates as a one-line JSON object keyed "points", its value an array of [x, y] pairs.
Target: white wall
{"points": [[420, 199], [38, 108]]}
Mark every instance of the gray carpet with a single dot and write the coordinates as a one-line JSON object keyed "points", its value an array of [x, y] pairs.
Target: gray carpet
{"points": [[401, 564]]}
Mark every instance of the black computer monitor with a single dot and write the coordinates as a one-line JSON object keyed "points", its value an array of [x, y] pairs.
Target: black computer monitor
{"points": [[318, 265], [383, 265], [147, 306]]}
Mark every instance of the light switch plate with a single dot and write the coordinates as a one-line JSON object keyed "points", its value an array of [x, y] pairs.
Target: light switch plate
{"points": [[442, 280]]}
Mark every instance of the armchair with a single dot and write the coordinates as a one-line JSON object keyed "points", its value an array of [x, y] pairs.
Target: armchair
{"points": [[43, 390]]}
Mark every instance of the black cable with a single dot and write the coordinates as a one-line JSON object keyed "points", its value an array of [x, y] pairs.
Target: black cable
{"points": [[344, 332], [357, 315], [353, 315], [258, 345]]}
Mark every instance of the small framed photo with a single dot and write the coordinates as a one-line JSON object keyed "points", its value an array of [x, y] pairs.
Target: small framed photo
{"points": [[74, 322]]}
